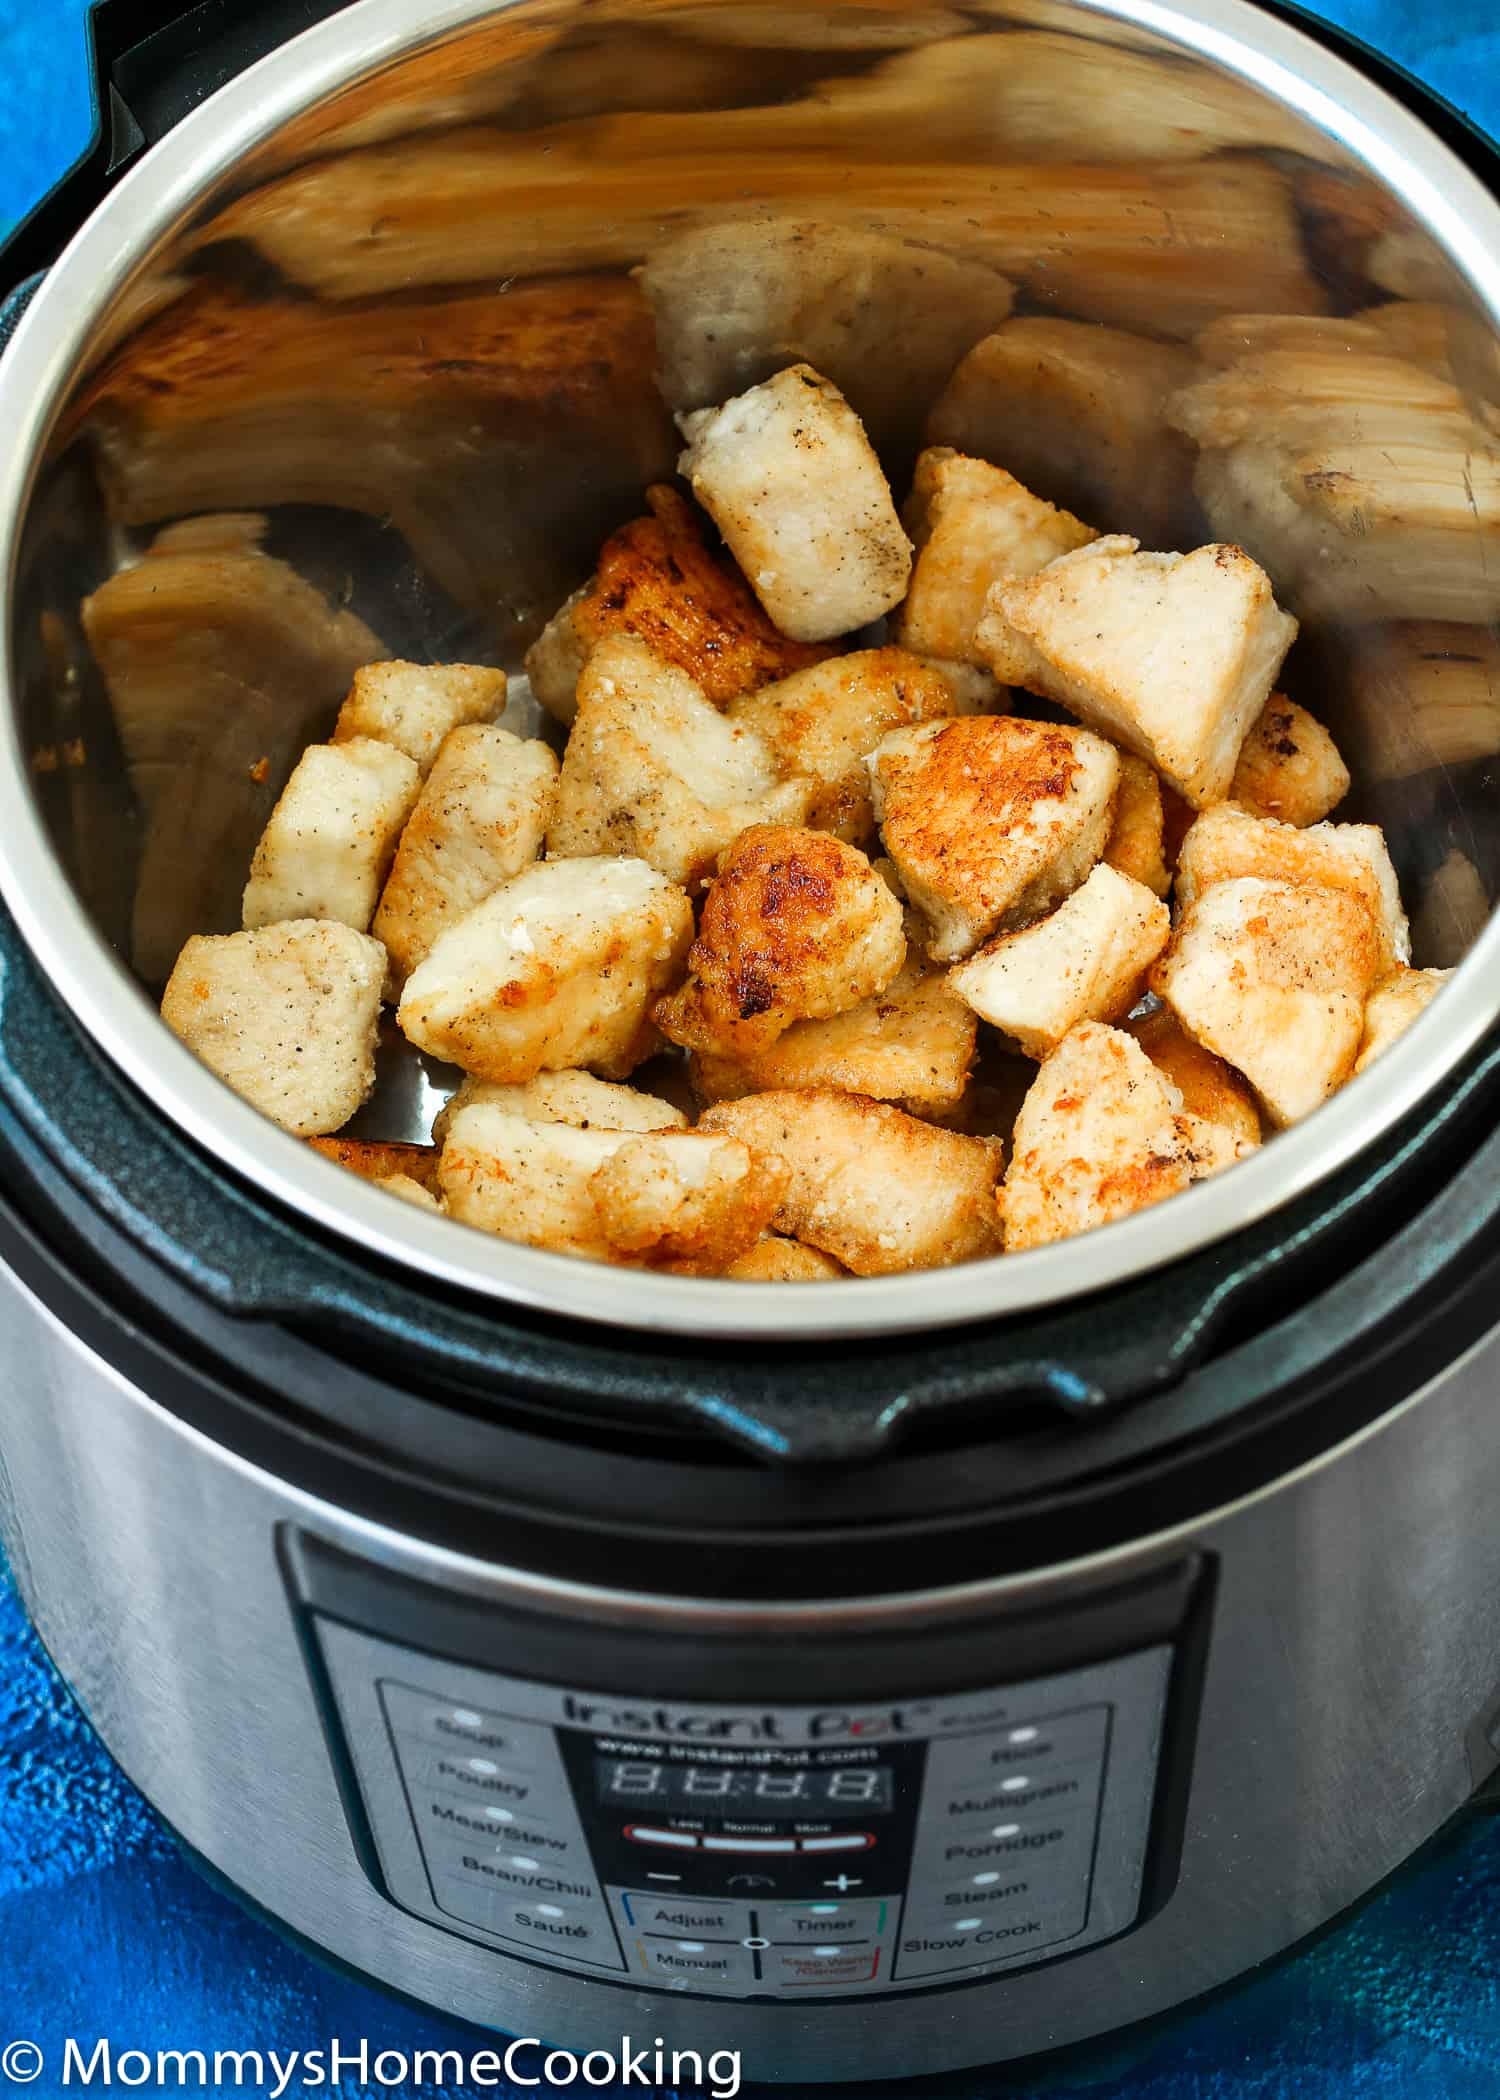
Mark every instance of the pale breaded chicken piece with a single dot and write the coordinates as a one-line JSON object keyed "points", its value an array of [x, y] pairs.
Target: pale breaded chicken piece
{"points": [[1227, 841], [776, 1259], [1102, 1133], [331, 837], [1086, 961], [973, 525], [480, 818], [797, 926], [1137, 840], [912, 1044], [991, 820], [1273, 976], [1392, 1007], [659, 580], [526, 1181], [558, 968], [688, 1202], [287, 1015], [787, 474], [822, 724], [873, 1187], [1079, 413], [653, 770], [1289, 766], [377, 1160], [414, 706], [1210, 1089], [565, 1097], [1173, 655], [409, 1191]]}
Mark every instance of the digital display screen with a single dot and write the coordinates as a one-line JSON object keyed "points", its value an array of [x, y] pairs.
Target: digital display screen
{"points": [[670, 1789]]}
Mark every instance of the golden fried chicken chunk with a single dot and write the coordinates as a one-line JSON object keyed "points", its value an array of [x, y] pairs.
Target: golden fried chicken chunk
{"points": [[330, 839], [565, 1097], [776, 1259], [787, 474], [1226, 842], [526, 1181], [1137, 839], [1289, 766], [690, 1202], [1102, 1133], [870, 1185], [797, 926], [1210, 1089], [822, 724], [1086, 961], [659, 580], [379, 1160], [912, 1044], [654, 771], [415, 706], [1273, 977], [480, 818], [1173, 655], [287, 1015], [973, 525], [558, 968], [1392, 1007], [990, 820]]}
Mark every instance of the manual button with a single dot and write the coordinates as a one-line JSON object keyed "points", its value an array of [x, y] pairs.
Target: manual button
{"points": [[695, 1961]]}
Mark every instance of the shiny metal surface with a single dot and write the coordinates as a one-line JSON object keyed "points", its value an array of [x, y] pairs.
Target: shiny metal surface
{"points": [[379, 291], [1349, 1659]]}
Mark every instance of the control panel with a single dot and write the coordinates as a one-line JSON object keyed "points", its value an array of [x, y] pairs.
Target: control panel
{"points": [[755, 1851]]}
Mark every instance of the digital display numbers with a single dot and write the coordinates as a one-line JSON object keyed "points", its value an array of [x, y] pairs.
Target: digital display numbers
{"points": [[729, 1789]]}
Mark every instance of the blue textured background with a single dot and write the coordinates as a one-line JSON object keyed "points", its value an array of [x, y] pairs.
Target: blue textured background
{"points": [[104, 1930]]}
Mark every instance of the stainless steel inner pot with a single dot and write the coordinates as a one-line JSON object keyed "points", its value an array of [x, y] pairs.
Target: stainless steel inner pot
{"points": [[383, 290]]}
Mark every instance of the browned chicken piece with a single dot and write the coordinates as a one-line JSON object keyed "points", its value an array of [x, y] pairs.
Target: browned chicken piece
{"points": [[797, 926], [1137, 841], [991, 820], [875, 1188], [1227, 841], [786, 472], [973, 525], [659, 580], [686, 1202], [1210, 1089], [494, 430], [912, 1044], [1086, 961], [1392, 1007], [564, 1097], [1454, 911], [220, 664], [329, 841], [1273, 977], [776, 1259], [414, 706], [480, 819], [1078, 413], [558, 968], [1289, 766], [885, 319], [823, 723], [1101, 1134], [286, 1015], [1172, 655], [375, 1160], [654, 771]]}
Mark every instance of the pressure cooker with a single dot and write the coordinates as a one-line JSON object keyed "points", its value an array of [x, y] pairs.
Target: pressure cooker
{"points": [[887, 1676]]}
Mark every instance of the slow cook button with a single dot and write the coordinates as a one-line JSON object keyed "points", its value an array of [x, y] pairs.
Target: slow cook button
{"points": [[686, 1916], [688, 1961], [935, 1952], [802, 1924]]}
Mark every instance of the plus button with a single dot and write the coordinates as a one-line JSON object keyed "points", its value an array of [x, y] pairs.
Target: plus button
{"points": [[843, 1884]]}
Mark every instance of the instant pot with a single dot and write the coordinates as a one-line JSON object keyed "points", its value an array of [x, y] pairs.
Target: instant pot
{"points": [[881, 1677]]}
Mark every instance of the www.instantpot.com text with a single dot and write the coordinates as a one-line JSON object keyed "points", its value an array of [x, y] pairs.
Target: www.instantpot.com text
{"points": [[343, 2067]]}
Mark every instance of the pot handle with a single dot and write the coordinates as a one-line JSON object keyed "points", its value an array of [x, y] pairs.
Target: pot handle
{"points": [[150, 62]]}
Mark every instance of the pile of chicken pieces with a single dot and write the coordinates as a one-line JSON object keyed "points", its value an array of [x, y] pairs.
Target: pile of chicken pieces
{"points": [[810, 870]]}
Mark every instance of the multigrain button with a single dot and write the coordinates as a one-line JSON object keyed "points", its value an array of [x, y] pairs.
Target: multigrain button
{"points": [[687, 1960]]}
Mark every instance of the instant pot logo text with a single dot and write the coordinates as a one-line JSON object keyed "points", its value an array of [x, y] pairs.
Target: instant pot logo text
{"points": [[828, 1725]]}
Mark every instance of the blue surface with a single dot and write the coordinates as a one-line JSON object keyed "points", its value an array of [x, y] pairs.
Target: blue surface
{"points": [[106, 1932]]}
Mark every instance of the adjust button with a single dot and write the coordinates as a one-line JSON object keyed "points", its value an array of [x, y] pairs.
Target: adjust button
{"points": [[687, 1917]]}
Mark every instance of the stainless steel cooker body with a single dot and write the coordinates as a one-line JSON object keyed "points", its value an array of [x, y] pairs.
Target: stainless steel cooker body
{"points": [[1349, 1681]]}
